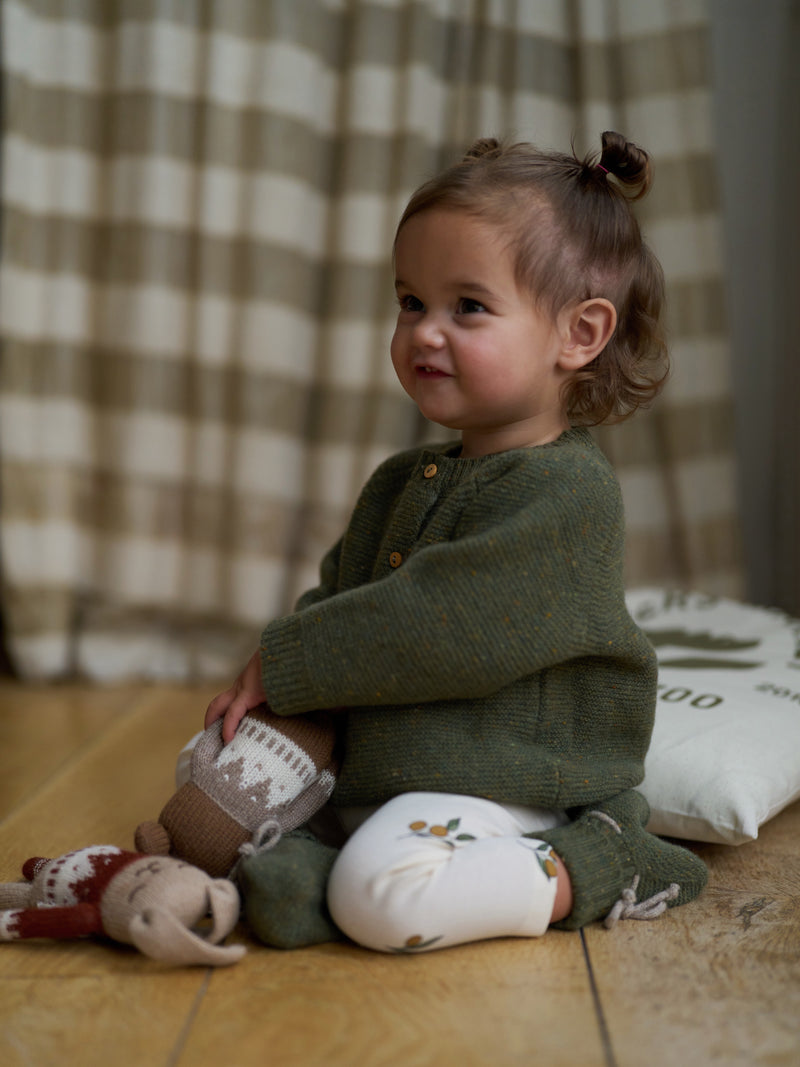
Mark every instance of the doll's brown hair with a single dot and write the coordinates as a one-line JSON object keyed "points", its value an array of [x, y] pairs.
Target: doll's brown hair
{"points": [[573, 237]]}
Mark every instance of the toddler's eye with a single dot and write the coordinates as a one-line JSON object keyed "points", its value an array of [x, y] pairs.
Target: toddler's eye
{"points": [[467, 306], [410, 303]]}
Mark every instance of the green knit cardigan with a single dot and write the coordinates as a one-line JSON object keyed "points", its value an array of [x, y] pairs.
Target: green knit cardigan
{"points": [[471, 627]]}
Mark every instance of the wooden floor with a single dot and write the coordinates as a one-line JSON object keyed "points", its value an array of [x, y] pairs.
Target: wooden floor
{"points": [[716, 982]]}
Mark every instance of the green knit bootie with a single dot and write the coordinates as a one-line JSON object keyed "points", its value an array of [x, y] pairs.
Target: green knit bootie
{"points": [[618, 869], [284, 892]]}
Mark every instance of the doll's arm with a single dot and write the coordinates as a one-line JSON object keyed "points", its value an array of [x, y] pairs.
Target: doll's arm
{"points": [[76, 920]]}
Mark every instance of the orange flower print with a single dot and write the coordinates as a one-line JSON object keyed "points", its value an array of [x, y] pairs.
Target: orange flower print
{"points": [[416, 943], [445, 833], [546, 858]]}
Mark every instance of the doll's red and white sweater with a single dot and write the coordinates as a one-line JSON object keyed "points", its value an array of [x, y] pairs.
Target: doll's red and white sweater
{"points": [[70, 889]]}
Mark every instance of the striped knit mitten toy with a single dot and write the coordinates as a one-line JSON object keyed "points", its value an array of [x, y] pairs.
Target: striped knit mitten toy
{"points": [[272, 777]]}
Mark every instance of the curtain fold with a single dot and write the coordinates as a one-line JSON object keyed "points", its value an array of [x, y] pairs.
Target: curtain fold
{"points": [[646, 69], [198, 203]]}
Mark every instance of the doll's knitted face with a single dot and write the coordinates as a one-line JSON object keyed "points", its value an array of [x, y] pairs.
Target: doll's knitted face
{"points": [[157, 881], [470, 348]]}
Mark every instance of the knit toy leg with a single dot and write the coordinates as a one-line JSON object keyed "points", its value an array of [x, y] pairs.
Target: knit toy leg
{"points": [[284, 889]]}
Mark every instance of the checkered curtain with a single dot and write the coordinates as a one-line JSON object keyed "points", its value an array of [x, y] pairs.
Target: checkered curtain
{"points": [[198, 201]]}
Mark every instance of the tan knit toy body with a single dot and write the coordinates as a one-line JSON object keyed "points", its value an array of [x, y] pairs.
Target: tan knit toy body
{"points": [[272, 777], [153, 903]]}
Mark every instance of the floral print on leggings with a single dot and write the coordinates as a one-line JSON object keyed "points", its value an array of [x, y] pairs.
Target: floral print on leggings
{"points": [[448, 834]]}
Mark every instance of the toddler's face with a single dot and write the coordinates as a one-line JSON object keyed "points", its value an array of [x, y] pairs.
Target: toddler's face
{"points": [[469, 347]]}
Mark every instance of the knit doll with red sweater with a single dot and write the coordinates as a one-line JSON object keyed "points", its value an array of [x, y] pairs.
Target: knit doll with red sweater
{"points": [[151, 903]]}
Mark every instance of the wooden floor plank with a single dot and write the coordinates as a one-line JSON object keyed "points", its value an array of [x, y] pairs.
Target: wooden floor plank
{"points": [[43, 727], [97, 1021], [89, 1002], [718, 981], [502, 1003], [117, 778], [499, 1003]]}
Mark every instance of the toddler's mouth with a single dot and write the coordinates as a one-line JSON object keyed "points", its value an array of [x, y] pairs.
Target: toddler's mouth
{"points": [[430, 372]]}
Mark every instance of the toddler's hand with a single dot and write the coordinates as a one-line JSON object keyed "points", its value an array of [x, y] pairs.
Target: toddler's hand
{"points": [[246, 693]]}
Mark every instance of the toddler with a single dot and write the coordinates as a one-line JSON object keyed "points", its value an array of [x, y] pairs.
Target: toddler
{"points": [[494, 697]]}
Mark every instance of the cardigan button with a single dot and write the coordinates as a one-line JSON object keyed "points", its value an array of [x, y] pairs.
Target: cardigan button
{"points": [[430, 471], [395, 559]]}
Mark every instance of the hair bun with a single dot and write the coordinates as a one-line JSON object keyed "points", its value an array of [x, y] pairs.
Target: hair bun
{"points": [[484, 148], [627, 162]]}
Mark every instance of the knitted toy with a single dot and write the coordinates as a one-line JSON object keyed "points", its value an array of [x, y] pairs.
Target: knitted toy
{"points": [[152, 903], [240, 797]]}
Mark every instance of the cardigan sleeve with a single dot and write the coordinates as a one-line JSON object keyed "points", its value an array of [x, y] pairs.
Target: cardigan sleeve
{"points": [[522, 572]]}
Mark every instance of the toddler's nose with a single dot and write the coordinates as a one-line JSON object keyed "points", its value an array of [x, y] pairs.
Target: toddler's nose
{"points": [[428, 332]]}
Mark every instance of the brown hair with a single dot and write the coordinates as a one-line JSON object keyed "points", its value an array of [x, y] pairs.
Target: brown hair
{"points": [[573, 236]]}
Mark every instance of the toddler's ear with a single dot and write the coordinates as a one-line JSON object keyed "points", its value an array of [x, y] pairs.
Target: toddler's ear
{"points": [[586, 329]]}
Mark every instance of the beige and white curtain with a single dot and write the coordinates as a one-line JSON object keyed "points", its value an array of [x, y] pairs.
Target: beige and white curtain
{"points": [[198, 201]]}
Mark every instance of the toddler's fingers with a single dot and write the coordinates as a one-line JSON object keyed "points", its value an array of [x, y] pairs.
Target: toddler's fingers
{"points": [[233, 716], [217, 708]]}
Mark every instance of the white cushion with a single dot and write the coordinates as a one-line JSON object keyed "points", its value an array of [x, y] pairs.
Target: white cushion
{"points": [[725, 753]]}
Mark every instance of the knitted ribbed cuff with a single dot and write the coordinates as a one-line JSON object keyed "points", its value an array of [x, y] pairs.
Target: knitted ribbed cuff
{"points": [[284, 669], [599, 863]]}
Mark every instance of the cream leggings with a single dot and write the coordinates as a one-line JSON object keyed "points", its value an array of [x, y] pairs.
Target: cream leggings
{"points": [[428, 870]]}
